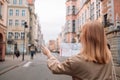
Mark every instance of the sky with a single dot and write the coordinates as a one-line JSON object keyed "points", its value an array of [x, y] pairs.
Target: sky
{"points": [[51, 17]]}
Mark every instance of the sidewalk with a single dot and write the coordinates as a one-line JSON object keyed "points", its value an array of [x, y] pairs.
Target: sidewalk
{"points": [[11, 63]]}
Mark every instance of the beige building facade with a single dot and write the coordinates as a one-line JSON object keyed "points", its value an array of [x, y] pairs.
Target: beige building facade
{"points": [[3, 28], [18, 14], [33, 22], [35, 35]]}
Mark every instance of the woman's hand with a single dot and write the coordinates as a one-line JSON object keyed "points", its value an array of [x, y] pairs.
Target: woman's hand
{"points": [[46, 51]]}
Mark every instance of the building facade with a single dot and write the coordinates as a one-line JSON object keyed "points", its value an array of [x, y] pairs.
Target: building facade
{"points": [[78, 12], [18, 14], [3, 28], [106, 11], [70, 31], [33, 22], [111, 19], [35, 35], [38, 36]]}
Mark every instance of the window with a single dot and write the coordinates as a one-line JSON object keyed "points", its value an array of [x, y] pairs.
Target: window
{"points": [[68, 10], [22, 22], [11, 12], [105, 20], [92, 11], [73, 25], [22, 35], [20, 2], [97, 9], [10, 22], [16, 22], [16, 35], [17, 12], [14, 1], [0, 10], [10, 34], [23, 12], [73, 9]]}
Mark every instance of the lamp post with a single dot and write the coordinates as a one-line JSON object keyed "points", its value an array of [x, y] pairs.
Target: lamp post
{"points": [[25, 26]]}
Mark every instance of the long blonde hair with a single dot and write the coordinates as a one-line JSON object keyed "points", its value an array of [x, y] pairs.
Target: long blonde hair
{"points": [[94, 43]]}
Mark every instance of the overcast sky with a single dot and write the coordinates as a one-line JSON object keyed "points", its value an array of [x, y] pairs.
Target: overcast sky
{"points": [[51, 16]]}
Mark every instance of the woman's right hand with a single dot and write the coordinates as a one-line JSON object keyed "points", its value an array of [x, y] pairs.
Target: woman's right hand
{"points": [[46, 51]]}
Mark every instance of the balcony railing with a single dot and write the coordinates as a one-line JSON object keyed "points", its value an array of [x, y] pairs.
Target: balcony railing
{"points": [[10, 41]]}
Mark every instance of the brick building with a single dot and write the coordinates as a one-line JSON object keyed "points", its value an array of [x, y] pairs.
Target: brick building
{"points": [[78, 12], [111, 17], [70, 31]]}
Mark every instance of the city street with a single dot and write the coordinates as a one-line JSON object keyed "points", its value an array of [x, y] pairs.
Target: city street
{"points": [[35, 69], [67, 27]]}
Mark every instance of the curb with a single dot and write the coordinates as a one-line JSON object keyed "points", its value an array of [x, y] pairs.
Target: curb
{"points": [[12, 67]]}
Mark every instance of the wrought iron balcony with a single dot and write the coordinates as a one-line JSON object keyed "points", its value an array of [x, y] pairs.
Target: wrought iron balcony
{"points": [[11, 41], [107, 23]]}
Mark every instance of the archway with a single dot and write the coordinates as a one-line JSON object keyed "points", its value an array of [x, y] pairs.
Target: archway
{"points": [[1, 46]]}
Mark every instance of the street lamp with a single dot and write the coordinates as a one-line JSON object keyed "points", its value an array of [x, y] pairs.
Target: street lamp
{"points": [[25, 26]]}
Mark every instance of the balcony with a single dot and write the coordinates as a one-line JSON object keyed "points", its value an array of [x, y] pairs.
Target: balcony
{"points": [[11, 41], [107, 24]]}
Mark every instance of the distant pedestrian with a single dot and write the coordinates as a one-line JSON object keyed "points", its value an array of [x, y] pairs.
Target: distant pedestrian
{"points": [[94, 62], [17, 53], [32, 51]]}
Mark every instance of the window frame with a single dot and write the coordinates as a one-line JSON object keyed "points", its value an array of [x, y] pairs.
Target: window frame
{"points": [[16, 35], [23, 12], [22, 22], [20, 2], [10, 12], [22, 35], [14, 1], [10, 22], [16, 22], [17, 12]]}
